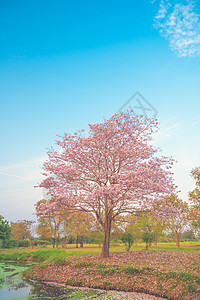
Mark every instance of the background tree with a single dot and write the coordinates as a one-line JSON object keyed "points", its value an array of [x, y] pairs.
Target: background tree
{"points": [[5, 229], [97, 233], [117, 229], [133, 226], [177, 223], [50, 219], [194, 197], [67, 227], [43, 229], [62, 223], [147, 236], [137, 224], [188, 235], [20, 230], [127, 239], [111, 172], [32, 230], [82, 223], [143, 224], [157, 228]]}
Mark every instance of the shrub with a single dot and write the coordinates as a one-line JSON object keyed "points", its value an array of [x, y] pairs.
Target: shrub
{"points": [[147, 238], [9, 244], [127, 239]]}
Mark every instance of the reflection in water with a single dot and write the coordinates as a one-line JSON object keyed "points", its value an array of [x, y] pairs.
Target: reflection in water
{"points": [[11, 283], [18, 286], [12, 286], [44, 291], [8, 270]]}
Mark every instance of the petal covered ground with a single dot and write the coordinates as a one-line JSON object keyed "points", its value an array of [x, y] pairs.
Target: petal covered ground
{"points": [[173, 275]]}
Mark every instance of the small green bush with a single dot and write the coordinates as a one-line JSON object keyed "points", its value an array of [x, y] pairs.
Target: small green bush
{"points": [[128, 240]]}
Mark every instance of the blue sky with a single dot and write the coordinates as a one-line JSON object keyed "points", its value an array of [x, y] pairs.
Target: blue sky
{"points": [[65, 64]]}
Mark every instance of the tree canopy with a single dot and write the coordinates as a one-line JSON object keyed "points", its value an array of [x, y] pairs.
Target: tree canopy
{"points": [[5, 229], [194, 198], [112, 171]]}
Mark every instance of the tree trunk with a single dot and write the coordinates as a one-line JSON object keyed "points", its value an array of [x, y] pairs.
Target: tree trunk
{"points": [[178, 242], [177, 237], [64, 243], [54, 241], [106, 243], [155, 243], [57, 241], [77, 238], [136, 243], [81, 242]]}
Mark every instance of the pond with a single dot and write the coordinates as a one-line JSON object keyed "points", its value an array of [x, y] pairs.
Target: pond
{"points": [[14, 287]]}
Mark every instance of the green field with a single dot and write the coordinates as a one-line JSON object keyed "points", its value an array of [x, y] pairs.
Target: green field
{"points": [[41, 254]]}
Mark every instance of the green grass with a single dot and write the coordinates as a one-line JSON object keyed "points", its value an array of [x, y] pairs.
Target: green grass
{"points": [[60, 254]]}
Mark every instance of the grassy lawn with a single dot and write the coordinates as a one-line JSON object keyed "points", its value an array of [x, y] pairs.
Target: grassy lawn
{"points": [[91, 249], [41, 254]]}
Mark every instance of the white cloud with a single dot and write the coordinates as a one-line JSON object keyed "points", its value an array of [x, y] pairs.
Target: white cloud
{"points": [[13, 175], [17, 192], [24, 164], [180, 24], [168, 129], [179, 137]]}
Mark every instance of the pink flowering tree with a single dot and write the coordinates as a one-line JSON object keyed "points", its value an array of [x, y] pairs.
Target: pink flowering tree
{"points": [[111, 172]]}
